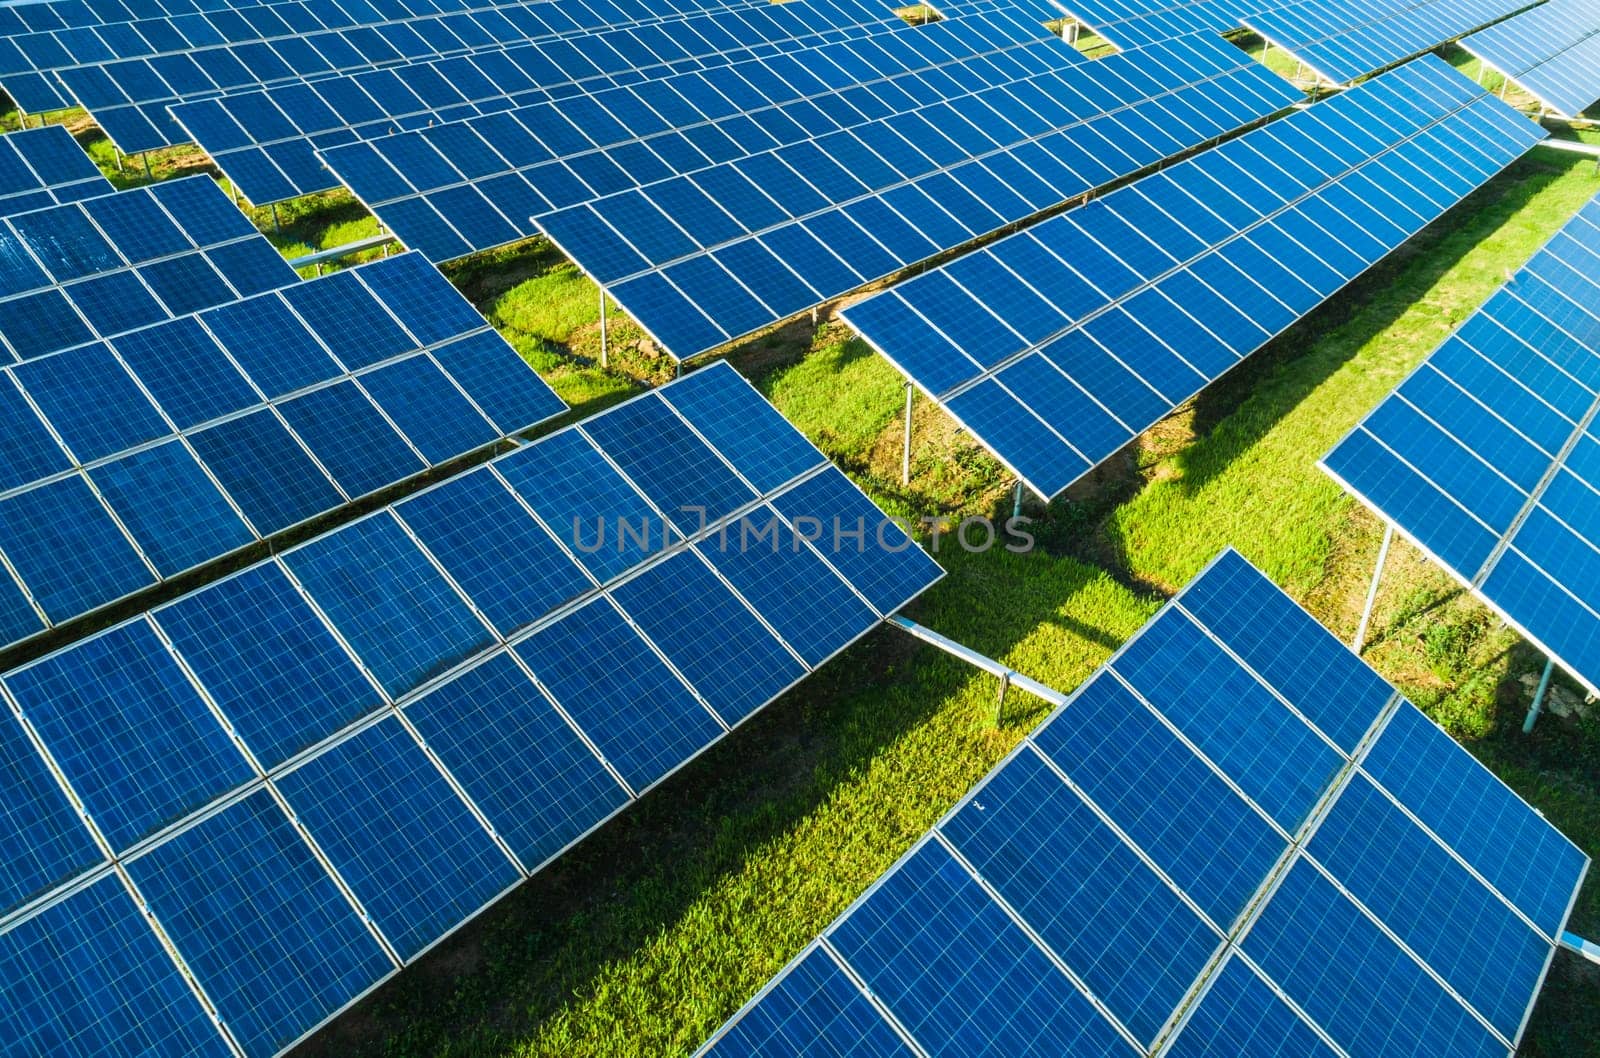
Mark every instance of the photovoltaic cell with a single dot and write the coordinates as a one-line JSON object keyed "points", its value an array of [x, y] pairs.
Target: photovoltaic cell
{"points": [[1550, 50], [1107, 884]]}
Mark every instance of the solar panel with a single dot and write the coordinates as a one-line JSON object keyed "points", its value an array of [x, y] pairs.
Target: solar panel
{"points": [[127, 75], [45, 167], [1344, 40], [1069, 904], [312, 770], [129, 457], [1484, 456], [1057, 346], [1551, 50], [266, 140]]}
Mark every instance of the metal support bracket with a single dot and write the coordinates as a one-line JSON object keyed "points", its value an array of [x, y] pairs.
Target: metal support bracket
{"points": [[605, 354], [1586, 948], [905, 451], [1360, 640], [1538, 697], [1008, 677]]}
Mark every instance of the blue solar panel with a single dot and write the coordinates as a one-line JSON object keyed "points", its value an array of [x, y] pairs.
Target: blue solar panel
{"points": [[764, 448], [1274, 756], [813, 1009], [409, 848], [688, 245], [131, 734], [1482, 949], [1488, 825], [41, 840], [405, 622], [513, 578], [1482, 455], [768, 562], [265, 930], [277, 674], [1109, 859], [1352, 979], [244, 470], [962, 977], [1150, 309], [45, 167], [515, 741], [597, 668], [678, 472], [1165, 798], [1114, 922], [91, 962], [1239, 1016], [538, 784], [707, 634]]}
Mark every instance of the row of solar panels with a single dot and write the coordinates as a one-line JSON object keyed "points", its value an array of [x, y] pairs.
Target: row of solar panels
{"points": [[1346, 39], [1058, 345], [1552, 50], [771, 231], [1138, 23], [172, 392], [311, 771], [45, 167], [1234, 841], [129, 82], [266, 141], [1488, 455]]}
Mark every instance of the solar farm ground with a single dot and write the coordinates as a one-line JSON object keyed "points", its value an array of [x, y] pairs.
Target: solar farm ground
{"points": [[645, 937]]}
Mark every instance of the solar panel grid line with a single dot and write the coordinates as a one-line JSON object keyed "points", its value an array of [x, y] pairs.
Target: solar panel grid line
{"points": [[1184, 264], [817, 214], [879, 1007]]}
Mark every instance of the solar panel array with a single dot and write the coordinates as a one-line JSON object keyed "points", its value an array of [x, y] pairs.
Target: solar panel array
{"points": [[1234, 841], [310, 772], [126, 74], [1344, 40], [83, 271], [134, 454], [1057, 346], [266, 141], [1488, 455], [1552, 50], [45, 167]]}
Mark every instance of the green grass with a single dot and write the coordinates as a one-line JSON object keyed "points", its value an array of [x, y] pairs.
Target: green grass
{"points": [[647, 935]]}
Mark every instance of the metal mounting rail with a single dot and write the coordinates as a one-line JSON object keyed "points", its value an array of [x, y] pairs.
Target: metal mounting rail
{"points": [[1008, 676], [371, 242]]}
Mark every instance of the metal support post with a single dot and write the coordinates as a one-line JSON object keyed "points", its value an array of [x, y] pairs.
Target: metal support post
{"points": [[146, 158], [276, 227], [1000, 702], [905, 451], [1372, 589], [605, 352], [114, 153], [1016, 501], [1009, 677], [1538, 697], [1586, 948]]}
